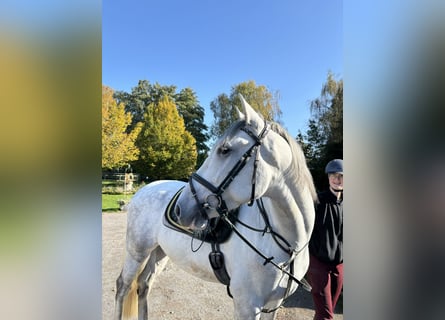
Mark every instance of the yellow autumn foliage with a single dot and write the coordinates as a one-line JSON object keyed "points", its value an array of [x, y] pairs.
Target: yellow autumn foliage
{"points": [[118, 146]]}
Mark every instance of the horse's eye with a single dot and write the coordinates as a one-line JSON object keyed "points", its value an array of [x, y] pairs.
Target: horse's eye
{"points": [[224, 150]]}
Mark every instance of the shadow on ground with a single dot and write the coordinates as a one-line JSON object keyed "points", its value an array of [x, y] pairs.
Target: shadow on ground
{"points": [[303, 299]]}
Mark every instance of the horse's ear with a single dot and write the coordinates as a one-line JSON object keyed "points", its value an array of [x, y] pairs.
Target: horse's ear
{"points": [[250, 114], [241, 115]]}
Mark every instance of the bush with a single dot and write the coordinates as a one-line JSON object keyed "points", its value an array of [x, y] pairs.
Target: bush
{"points": [[117, 187], [112, 189]]}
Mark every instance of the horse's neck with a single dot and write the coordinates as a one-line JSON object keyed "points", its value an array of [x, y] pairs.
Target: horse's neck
{"points": [[290, 212]]}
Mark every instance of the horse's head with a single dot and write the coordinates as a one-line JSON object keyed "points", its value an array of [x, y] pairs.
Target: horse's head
{"points": [[242, 166]]}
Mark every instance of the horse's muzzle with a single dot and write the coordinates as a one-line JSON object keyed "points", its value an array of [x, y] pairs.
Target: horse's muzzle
{"points": [[193, 222]]}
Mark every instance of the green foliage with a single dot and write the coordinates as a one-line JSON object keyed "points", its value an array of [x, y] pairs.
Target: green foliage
{"points": [[167, 150], [259, 97], [193, 114], [145, 94], [328, 110], [324, 139]]}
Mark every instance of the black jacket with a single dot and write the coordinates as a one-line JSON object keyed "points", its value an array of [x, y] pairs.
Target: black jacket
{"points": [[326, 242]]}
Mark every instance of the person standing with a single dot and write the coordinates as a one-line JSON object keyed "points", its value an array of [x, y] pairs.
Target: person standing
{"points": [[326, 245]]}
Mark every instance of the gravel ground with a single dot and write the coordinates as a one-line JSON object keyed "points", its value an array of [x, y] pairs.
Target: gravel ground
{"points": [[176, 295]]}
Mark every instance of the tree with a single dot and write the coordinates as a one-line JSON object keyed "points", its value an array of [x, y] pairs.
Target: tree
{"points": [[167, 150], [118, 146], [259, 97], [312, 143], [142, 96], [328, 110], [324, 139], [193, 114], [187, 104]]}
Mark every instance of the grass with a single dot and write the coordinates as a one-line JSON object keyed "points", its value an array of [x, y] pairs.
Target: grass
{"points": [[109, 182], [109, 201], [112, 191]]}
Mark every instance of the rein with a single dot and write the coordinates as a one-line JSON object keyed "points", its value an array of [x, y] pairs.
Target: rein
{"points": [[293, 253], [268, 229]]}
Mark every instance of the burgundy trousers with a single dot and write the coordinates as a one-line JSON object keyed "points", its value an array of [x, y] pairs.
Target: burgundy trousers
{"points": [[327, 282]]}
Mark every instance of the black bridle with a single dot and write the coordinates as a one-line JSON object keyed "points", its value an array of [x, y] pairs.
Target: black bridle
{"points": [[215, 200]]}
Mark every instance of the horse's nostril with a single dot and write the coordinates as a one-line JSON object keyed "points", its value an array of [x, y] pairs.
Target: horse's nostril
{"points": [[177, 211]]}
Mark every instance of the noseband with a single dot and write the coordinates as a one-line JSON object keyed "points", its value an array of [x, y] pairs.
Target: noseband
{"points": [[215, 200]]}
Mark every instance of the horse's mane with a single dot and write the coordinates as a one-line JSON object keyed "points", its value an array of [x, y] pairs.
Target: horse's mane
{"points": [[298, 170]]}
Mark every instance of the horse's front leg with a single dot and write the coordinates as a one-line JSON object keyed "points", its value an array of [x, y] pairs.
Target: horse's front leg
{"points": [[248, 303], [245, 308], [269, 315], [243, 313]]}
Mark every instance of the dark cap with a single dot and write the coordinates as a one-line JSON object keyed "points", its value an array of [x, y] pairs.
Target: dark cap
{"points": [[334, 166]]}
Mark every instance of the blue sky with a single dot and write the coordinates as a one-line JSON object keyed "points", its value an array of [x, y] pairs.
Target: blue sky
{"points": [[209, 46]]}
